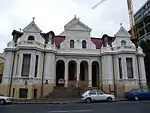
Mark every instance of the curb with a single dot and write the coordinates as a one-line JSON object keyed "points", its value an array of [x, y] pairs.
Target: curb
{"points": [[55, 102], [46, 102]]}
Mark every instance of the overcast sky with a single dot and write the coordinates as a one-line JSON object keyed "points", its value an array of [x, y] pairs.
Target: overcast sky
{"points": [[54, 14]]}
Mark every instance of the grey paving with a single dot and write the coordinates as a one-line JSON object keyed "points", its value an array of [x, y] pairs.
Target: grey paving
{"points": [[115, 107]]}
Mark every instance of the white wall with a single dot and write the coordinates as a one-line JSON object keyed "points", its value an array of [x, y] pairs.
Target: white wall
{"points": [[7, 67], [49, 68], [38, 37]]}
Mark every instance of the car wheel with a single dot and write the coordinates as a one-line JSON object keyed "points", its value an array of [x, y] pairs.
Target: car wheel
{"points": [[2, 102], [88, 100], [109, 99], [136, 98]]}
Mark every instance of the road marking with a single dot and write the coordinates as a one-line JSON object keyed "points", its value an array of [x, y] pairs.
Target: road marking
{"points": [[74, 111]]}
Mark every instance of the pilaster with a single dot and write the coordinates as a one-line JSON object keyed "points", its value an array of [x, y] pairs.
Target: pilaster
{"points": [[142, 69], [89, 75], [20, 64], [124, 68], [109, 70], [66, 74], [78, 74], [32, 65]]}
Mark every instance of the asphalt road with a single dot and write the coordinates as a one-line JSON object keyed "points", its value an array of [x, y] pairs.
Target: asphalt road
{"points": [[117, 107]]}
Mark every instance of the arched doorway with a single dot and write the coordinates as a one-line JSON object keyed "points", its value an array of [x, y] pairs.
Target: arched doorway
{"points": [[72, 70], [60, 72], [84, 73], [95, 74]]}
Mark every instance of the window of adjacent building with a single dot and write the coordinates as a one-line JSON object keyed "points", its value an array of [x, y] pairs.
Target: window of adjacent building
{"points": [[31, 38], [141, 32], [123, 42], [36, 65], [148, 28], [71, 43], [23, 93], [120, 68], [129, 67], [26, 65], [83, 44]]}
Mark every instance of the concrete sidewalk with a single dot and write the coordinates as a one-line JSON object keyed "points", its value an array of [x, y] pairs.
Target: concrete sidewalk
{"points": [[55, 101], [48, 101]]}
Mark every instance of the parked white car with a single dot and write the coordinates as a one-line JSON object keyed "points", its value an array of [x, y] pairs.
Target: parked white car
{"points": [[5, 100], [96, 95]]}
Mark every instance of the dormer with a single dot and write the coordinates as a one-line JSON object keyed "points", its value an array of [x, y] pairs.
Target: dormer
{"points": [[123, 40], [32, 33]]}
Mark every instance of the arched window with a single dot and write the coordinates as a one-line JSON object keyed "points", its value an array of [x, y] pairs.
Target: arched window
{"points": [[83, 44], [71, 43], [123, 42], [31, 38]]}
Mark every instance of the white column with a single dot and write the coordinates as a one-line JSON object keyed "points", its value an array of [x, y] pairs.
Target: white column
{"points": [[124, 68], [78, 74], [40, 65], [89, 75], [142, 69], [104, 69], [15, 65], [32, 65], [20, 64], [117, 69], [109, 70], [66, 74], [49, 68], [135, 68]]}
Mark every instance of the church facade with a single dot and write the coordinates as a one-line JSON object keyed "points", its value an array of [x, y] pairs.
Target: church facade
{"points": [[36, 62]]}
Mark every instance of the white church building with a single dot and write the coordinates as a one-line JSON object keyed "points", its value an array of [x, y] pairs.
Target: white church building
{"points": [[36, 62]]}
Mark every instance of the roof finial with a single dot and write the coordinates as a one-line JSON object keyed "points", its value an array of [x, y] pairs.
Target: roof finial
{"points": [[75, 16], [33, 18], [120, 24]]}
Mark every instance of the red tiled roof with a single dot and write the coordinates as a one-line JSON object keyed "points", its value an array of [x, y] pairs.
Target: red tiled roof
{"points": [[58, 40], [97, 42]]}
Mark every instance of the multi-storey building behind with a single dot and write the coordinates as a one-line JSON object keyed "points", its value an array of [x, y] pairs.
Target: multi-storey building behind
{"points": [[142, 21]]}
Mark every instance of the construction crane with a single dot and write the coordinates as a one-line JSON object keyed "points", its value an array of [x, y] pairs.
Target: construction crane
{"points": [[131, 18]]}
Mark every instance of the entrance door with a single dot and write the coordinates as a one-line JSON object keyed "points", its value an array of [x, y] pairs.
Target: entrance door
{"points": [[95, 74], [35, 93], [60, 71]]}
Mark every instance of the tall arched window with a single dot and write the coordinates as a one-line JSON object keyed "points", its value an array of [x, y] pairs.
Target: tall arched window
{"points": [[31, 38], [83, 44], [71, 43]]}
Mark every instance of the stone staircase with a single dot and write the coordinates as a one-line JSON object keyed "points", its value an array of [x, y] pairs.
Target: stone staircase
{"points": [[62, 92], [68, 92]]}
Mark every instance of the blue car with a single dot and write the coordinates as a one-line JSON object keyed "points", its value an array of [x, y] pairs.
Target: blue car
{"points": [[138, 94]]}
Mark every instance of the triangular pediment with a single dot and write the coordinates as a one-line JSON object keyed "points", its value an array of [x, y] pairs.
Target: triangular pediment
{"points": [[76, 24], [32, 27], [122, 33], [79, 27]]}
